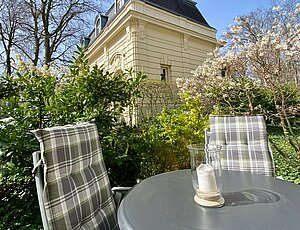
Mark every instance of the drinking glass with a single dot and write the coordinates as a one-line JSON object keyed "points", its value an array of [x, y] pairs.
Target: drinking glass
{"points": [[206, 174]]}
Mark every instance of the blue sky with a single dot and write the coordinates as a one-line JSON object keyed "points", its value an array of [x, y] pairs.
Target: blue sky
{"points": [[220, 13]]}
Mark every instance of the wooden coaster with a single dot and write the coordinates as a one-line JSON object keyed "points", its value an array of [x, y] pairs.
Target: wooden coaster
{"points": [[209, 203]]}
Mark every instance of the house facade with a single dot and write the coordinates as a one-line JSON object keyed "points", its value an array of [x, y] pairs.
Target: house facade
{"points": [[166, 39]]}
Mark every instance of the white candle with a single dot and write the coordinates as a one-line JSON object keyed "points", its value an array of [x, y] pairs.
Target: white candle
{"points": [[206, 179]]}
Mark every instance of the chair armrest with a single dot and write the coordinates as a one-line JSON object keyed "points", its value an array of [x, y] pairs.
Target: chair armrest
{"points": [[119, 193], [120, 189]]}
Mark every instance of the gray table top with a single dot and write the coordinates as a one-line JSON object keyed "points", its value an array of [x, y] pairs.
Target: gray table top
{"points": [[252, 201]]}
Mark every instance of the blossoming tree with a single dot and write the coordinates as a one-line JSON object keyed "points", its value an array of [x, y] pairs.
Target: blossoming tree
{"points": [[261, 55]]}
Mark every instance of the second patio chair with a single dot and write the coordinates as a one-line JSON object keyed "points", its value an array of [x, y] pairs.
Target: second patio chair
{"points": [[244, 141], [72, 183]]}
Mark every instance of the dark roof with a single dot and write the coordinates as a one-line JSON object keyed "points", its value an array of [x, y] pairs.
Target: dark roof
{"points": [[184, 8]]}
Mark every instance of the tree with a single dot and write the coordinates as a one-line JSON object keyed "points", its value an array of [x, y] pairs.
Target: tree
{"points": [[261, 56], [10, 22], [61, 23], [268, 41], [43, 31]]}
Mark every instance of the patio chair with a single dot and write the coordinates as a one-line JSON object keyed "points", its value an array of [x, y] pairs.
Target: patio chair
{"points": [[71, 179], [244, 141]]}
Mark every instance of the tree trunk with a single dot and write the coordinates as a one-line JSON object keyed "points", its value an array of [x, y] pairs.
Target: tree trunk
{"points": [[8, 63], [47, 49]]}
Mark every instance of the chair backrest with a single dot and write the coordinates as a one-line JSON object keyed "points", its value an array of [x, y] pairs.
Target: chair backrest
{"points": [[76, 192], [244, 141]]}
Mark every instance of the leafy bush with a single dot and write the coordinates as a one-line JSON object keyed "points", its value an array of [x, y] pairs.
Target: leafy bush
{"points": [[38, 98], [155, 96], [26, 107], [122, 149], [287, 161], [167, 135]]}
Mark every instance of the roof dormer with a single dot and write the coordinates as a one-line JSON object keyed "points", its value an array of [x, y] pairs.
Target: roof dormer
{"points": [[100, 23], [118, 5]]}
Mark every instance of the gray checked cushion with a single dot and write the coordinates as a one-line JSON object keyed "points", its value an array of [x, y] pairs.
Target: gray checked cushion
{"points": [[77, 192], [244, 143]]}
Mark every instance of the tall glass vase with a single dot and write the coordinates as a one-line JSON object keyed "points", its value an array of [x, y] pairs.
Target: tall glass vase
{"points": [[206, 174]]}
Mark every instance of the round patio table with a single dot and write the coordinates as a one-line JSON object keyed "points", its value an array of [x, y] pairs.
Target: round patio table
{"points": [[252, 201]]}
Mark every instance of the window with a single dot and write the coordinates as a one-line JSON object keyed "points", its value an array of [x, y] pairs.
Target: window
{"points": [[164, 73], [98, 26], [119, 4]]}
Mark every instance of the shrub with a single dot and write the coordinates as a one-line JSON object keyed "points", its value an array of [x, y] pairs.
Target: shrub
{"points": [[167, 135], [38, 98], [155, 96], [26, 107], [287, 161], [122, 149]]}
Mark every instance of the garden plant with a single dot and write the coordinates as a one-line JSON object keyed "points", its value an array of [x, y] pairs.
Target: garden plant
{"points": [[257, 72]]}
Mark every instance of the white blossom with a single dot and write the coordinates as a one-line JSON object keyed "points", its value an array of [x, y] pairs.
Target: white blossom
{"points": [[276, 8], [265, 59]]}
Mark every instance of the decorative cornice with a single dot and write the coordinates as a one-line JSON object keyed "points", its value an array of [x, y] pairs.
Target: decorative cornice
{"points": [[135, 9]]}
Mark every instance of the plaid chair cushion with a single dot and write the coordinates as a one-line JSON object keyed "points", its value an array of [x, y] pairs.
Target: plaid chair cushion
{"points": [[244, 143], [77, 193]]}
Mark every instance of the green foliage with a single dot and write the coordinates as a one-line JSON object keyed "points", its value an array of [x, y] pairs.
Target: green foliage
{"points": [[25, 105], [37, 98], [288, 164], [122, 149], [6, 88], [92, 93], [167, 135], [156, 95], [237, 96]]}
